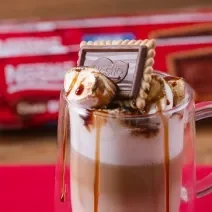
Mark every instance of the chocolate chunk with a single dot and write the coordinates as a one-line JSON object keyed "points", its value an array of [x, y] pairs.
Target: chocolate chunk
{"points": [[124, 65]]}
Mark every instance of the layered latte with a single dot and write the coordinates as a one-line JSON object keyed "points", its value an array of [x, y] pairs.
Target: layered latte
{"points": [[131, 165], [126, 145]]}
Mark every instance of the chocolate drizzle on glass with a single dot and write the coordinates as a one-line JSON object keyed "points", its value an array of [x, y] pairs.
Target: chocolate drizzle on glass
{"points": [[88, 119], [165, 123], [91, 119], [64, 143], [62, 139], [72, 84]]}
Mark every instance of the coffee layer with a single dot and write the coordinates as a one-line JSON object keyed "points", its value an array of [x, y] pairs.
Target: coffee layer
{"points": [[124, 188]]}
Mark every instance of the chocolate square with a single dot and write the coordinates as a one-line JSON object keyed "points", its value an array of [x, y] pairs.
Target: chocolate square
{"points": [[124, 65]]}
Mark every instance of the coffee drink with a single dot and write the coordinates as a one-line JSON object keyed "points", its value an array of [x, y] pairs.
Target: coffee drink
{"points": [[130, 170], [126, 141]]}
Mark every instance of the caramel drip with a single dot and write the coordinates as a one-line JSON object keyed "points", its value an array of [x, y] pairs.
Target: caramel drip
{"points": [[88, 120], [164, 120], [97, 164], [72, 84], [65, 135]]}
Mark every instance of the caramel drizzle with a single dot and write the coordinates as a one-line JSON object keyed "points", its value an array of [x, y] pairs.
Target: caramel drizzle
{"points": [[97, 165], [166, 157], [72, 84], [62, 196]]}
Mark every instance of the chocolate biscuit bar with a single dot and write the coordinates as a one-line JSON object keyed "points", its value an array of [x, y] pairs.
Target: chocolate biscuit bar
{"points": [[128, 63]]}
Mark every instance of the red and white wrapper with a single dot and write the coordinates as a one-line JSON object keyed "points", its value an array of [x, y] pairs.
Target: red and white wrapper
{"points": [[30, 87]]}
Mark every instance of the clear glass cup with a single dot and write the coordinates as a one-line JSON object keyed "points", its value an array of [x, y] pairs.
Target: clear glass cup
{"points": [[105, 164]]}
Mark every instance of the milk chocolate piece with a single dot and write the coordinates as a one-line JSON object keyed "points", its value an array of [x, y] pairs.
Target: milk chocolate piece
{"points": [[122, 64]]}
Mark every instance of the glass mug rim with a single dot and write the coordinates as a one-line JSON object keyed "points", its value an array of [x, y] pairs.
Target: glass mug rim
{"points": [[176, 109]]}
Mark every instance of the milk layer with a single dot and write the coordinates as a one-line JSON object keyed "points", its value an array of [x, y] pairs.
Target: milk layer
{"points": [[119, 147]]}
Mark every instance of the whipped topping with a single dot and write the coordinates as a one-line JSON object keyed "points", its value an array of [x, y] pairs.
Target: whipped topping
{"points": [[118, 146], [88, 87], [178, 88], [164, 94], [91, 89], [94, 89], [160, 96]]}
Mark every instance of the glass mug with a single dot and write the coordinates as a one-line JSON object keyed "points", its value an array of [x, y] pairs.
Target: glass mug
{"points": [[107, 165]]}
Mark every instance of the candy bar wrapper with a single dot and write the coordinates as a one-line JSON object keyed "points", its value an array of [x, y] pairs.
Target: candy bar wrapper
{"points": [[30, 88], [34, 56], [190, 58], [35, 25], [17, 49], [34, 43]]}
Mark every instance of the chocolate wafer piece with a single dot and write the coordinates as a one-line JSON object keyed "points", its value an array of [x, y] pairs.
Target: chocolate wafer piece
{"points": [[128, 63]]}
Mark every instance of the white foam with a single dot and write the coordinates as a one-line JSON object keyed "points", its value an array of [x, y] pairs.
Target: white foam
{"points": [[88, 81], [119, 147], [163, 102]]}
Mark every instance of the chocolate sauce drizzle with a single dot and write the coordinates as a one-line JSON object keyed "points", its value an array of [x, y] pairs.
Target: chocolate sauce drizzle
{"points": [[164, 120], [91, 119], [88, 120], [64, 142], [72, 84]]}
